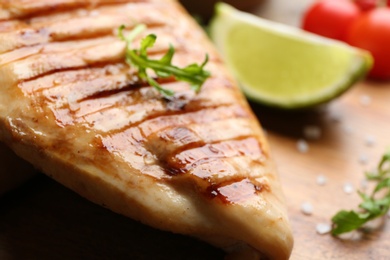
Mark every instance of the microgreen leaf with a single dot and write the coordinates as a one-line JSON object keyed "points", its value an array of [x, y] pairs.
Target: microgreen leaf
{"points": [[346, 221], [194, 74], [383, 184], [371, 207], [383, 163]]}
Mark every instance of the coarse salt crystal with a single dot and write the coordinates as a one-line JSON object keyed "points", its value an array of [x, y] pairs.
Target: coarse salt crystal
{"points": [[312, 132], [323, 228], [307, 208], [348, 188], [369, 140], [348, 129], [365, 100], [321, 180], [302, 146], [364, 185], [363, 158], [335, 117]]}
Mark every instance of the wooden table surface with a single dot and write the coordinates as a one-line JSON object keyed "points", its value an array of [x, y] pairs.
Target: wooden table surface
{"points": [[43, 220]]}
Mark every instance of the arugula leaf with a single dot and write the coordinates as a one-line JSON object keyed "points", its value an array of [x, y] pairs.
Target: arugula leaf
{"points": [[163, 68], [372, 207]]}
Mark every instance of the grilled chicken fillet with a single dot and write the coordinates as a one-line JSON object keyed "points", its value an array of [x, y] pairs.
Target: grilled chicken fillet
{"points": [[198, 164]]}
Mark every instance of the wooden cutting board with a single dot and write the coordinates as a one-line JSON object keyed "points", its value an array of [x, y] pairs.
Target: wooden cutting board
{"points": [[355, 133], [345, 150], [43, 220]]}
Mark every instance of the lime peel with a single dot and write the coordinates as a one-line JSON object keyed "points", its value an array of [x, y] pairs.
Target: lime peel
{"points": [[284, 66]]}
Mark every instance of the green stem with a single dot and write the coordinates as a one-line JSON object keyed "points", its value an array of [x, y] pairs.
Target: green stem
{"points": [[172, 70]]}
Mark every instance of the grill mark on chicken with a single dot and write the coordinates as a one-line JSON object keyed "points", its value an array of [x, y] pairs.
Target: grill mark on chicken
{"points": [[176, 139], [192, 156], [128, 95], [86, 83], [65, 77], [216, 156], [102, 9], [161, 122], [206, 115], [155, 119], [93, 90], [87, 89], [223, 169], [237, 190], [42, 64], [23, 55], [80, 26], [11, 9], [130, 84]]}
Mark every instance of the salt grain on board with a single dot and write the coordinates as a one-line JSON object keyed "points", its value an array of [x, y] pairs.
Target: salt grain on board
{"points": [[307, 208], [312, 132], [323, 228], [348, 188], [365, 100], [335, 117], [321, 180], [364, 185], [348, 129], [302, 146], [369, 140], [363, 158]]}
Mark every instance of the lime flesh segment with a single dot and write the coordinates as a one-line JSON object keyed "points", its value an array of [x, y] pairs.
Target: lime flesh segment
{"points": [[284, 66]]}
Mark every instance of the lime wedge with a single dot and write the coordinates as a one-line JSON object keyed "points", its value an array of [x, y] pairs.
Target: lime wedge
{"points": [[284, 66]]}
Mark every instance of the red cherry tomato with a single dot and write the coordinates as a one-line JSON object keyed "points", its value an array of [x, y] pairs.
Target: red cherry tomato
{"points": [[331, 18], [371, 31]]}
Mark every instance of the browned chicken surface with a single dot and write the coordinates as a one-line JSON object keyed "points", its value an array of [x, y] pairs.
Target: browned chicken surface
{"points": [[198, 164]]}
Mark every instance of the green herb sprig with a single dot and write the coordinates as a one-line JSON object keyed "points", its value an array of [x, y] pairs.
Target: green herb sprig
{"points": [[138, 58], [373, 206]]}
